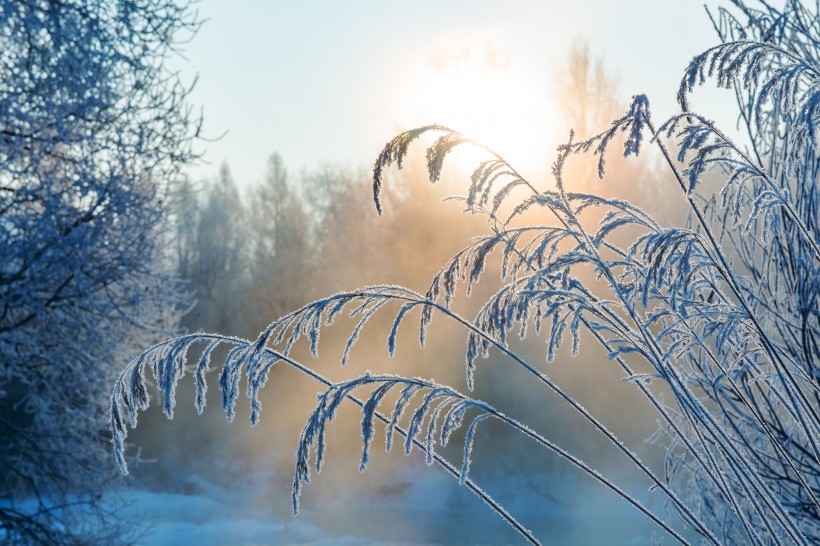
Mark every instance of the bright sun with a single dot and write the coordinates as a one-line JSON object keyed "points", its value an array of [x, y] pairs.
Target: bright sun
{"points": [[481, 93]]}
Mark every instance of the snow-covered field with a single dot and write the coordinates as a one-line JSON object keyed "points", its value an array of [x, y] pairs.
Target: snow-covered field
{"points": [[419, 506]]}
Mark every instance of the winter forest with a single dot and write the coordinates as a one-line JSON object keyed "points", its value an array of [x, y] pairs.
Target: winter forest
{"points": [[553, 308]]}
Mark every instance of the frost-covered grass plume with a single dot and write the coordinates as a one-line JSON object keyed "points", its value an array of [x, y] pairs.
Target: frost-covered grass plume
{"points": [[715, 322]]}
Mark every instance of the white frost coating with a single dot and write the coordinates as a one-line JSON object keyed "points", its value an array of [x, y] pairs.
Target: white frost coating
{"points": [[93, 132], [724, 311]]}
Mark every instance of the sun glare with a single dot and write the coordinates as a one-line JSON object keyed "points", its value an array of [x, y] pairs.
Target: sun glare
{"points": [[478, 90]]}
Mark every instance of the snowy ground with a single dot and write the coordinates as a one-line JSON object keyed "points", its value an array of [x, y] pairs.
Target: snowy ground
{"points": [[420, 506]]}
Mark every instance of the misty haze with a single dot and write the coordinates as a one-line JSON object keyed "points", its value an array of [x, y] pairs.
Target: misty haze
{"points": [[357, 273]]}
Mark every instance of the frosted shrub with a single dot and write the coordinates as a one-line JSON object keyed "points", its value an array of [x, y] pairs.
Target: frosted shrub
{"points": [[94, 130], [723, 311]]}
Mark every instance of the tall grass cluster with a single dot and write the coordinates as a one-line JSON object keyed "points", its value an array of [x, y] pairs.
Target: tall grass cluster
{"points": [[715, 322]]}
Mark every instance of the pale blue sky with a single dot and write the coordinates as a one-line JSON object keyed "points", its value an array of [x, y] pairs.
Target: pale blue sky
{"points": [[331, 81]]}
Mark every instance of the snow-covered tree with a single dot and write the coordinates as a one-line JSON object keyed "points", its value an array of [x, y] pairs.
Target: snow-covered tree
{"points": [[93, 131], [715, 322], [213, 250]]}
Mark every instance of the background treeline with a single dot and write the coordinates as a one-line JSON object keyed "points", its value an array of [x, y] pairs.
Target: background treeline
{"points": [[248, 253]]}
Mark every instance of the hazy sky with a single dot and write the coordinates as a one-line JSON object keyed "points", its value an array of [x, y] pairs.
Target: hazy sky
{"points": [[332, 81]]}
